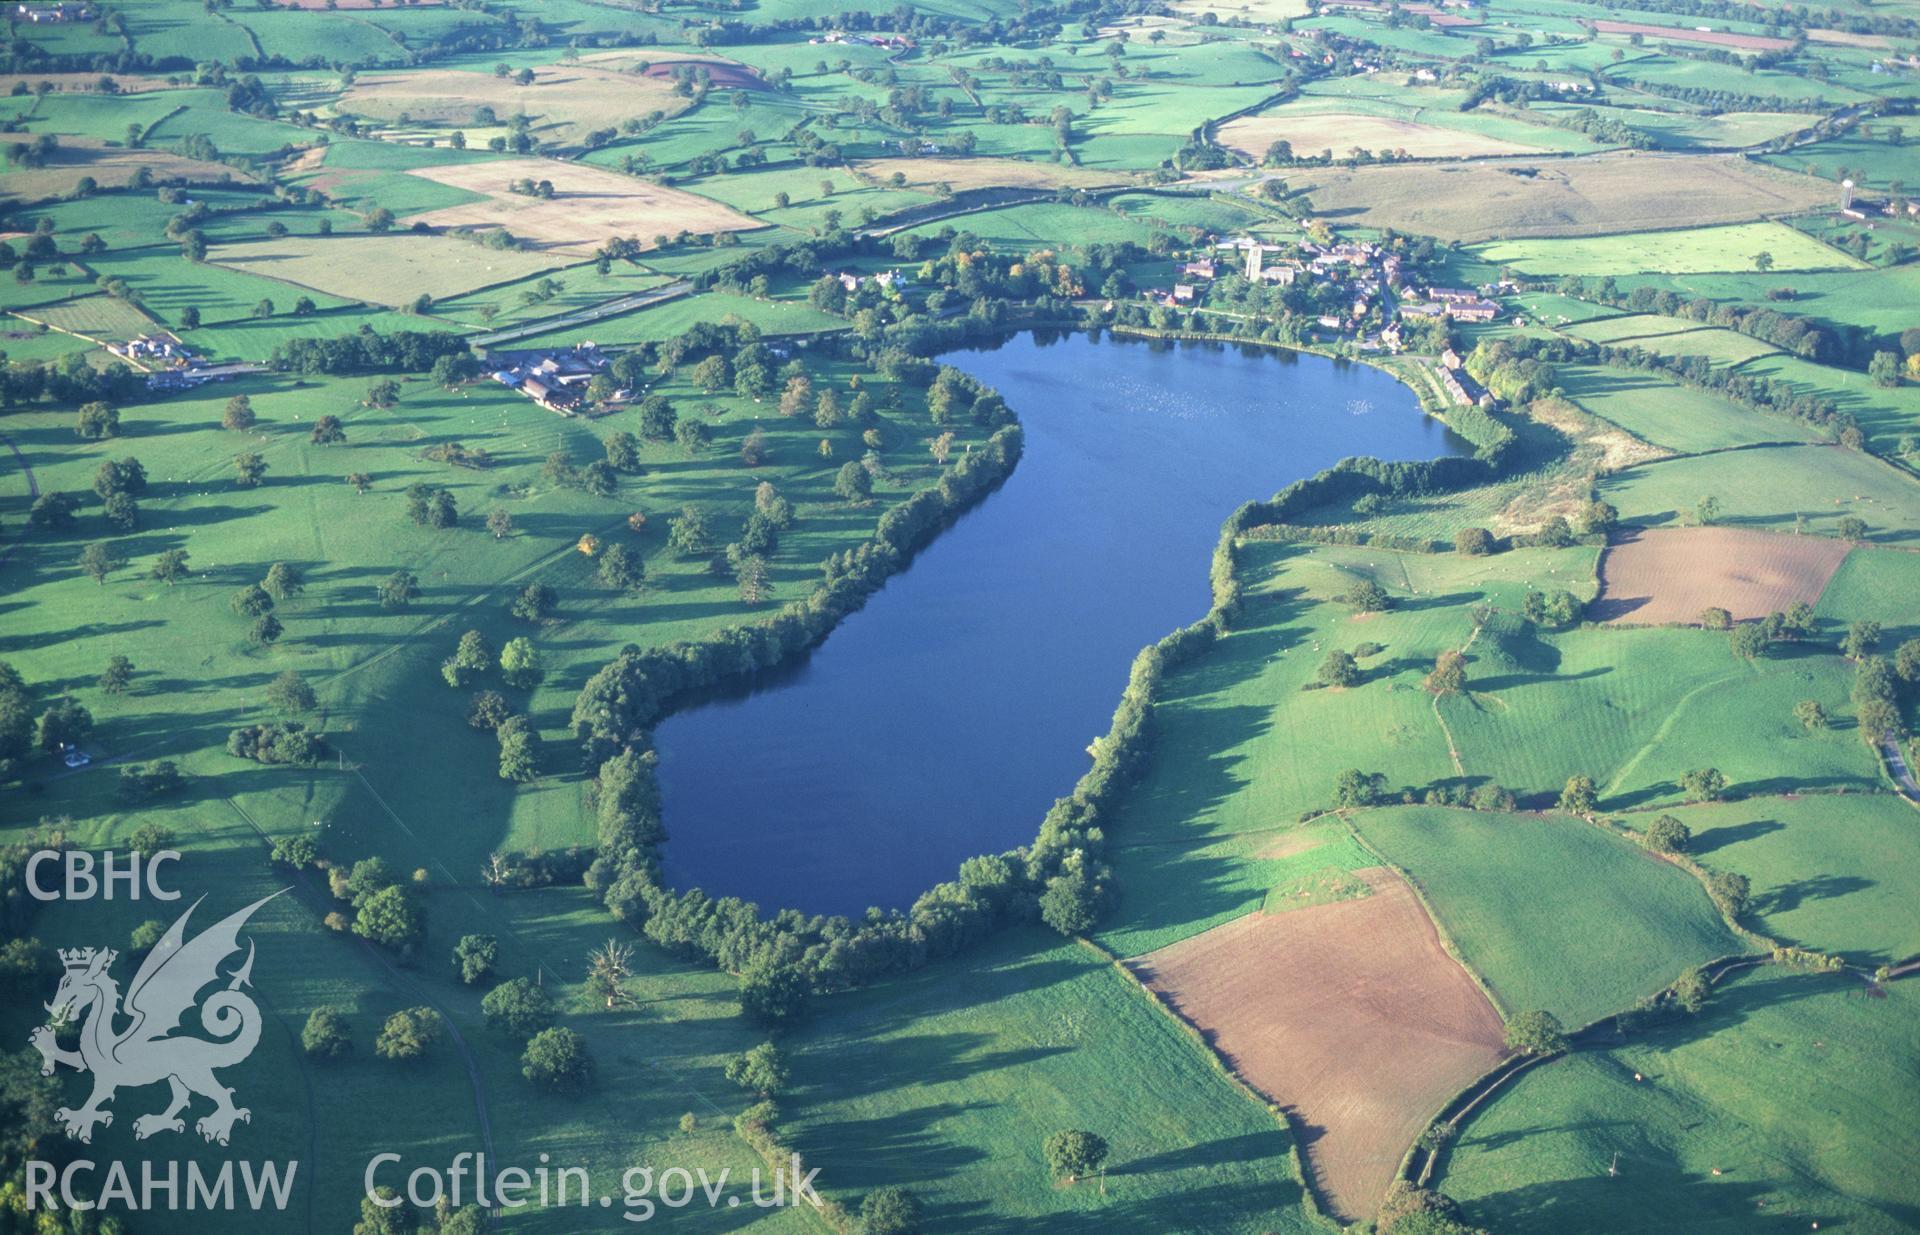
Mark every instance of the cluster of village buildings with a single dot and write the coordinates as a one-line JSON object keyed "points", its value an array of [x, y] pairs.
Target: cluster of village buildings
{"points": [[556, 380], [1371, 275], [49, 14], [172, 365], [1370, 272]]}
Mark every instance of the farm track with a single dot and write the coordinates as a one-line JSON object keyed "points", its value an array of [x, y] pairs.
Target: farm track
{"points": [[33, 489]]}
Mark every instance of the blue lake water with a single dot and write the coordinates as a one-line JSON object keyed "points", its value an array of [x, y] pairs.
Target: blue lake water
{"points": [[944, 718]]}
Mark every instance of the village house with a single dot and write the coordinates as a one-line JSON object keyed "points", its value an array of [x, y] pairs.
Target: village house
{"points": [[1452, 294], [1202, 269], [44, 14], [1473, 310], [1183, 293]]}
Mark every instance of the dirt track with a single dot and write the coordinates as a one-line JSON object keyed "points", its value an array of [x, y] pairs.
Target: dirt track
{"points": [[1350, 1015]]}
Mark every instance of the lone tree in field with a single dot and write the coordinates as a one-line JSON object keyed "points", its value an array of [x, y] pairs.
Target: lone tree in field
{"points": [[1715, 618], [1366, 596], [1473, 542], [761, 1070], [1579, 797], [890, 1211], [289, 694], [472, 657], [238, 415], [328, 431], [499, 523], [1449, 676], [1704, 785], [250, 470], [283, 581], [1861, 637], [1731, 892], [1339, 668], [326, 1035], [1812, 715], [101, 559], [853, 482], [170, 567], [558, 1061], [383, 393], [97, 420], [117, 676], [518, 1007], [399, 589], [408, 1035], [1669, 835], [520, 663], [1749, 641], [474, 957], [609, 969], [1072, 1153], [1356, 788], [1536, 1033]]}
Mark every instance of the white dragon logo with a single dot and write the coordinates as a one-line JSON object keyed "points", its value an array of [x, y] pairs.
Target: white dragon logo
{"points": [[143, 1053]]}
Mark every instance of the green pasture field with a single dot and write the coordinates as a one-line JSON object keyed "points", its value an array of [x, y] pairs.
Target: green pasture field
{"points": [[1638, 708], [1709, 75], [384, 269], [131, 219], [98, 317], [1689, 131], [1881, 300], [1232, 876], [1242, 749], [231, 132], [106, 117], [298, 34], [1887, 242], [377, 673], [255, 338], [1878, 586], [21, 340], [1800, 1094], [167, 283], [1042, 225], [166, 31], [512, 303], [1552, 912], [1165, 211], [1723, 348], [1872, 162], [1768, 487], [1684, 250], [1553, 309], [949, 1080], [1885, 414], [1833, 872], [1672, 415], [675, 316]]}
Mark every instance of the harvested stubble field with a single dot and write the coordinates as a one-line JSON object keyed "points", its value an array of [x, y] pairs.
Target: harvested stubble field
{"points": [[1350, 1014], [1312, 132], [589, 205], [111, 167], [1669, 575], [566, 101], [390, 269], [1573, 197]]}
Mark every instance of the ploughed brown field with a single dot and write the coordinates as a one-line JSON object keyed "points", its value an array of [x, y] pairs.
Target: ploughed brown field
{"points": [[1670, 574], [1350, 1015]]}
